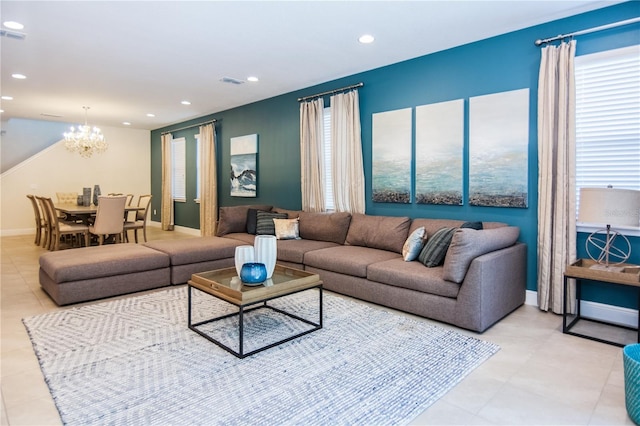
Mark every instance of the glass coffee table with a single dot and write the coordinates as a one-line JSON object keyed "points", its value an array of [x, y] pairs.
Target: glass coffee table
{"points": [[225, 284]]}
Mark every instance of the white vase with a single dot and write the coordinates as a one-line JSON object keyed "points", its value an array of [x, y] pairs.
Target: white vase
{"points": [[244, 254], [266, 252]]}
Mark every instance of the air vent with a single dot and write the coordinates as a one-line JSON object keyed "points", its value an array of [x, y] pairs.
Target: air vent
{"points": [[13, 34], [48, 114], [231, 80]]}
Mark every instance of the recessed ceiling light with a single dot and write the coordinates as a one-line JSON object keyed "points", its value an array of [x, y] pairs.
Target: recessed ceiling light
{"points": [[185, 103], [13, 25], [252, 79], [1, 111], [126, 123], [366, 39], [151, 115], [19, 76], [7, 98]]}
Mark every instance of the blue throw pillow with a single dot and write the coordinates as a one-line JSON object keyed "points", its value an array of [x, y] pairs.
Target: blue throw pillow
{"points": [[413, 245]]}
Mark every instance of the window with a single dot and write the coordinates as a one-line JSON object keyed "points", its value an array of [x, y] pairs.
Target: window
{"points": [[328, 170], [608, 119], [178, 170]]}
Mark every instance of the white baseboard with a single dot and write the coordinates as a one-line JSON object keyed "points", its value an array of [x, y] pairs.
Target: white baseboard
{"points": [[14, 232], [598, 311], [183, 229]]}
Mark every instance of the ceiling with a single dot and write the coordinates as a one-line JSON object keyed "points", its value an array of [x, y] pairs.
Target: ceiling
{"points": [[125, 59]]}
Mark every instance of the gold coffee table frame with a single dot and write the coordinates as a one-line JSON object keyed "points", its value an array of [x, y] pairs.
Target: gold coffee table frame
{"points": [[224, 284]]}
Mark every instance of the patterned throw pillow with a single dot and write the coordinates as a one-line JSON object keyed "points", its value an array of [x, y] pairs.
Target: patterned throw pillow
{"points": [[413, 245], [436, 248], [287, 229], [264, 223], [252, 221]]}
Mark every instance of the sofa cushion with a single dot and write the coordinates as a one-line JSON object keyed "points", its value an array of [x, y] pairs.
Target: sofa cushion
{"points": [[436, 247], [287, 229], [413, 276], [101, 261], [265, 225], [380, 232], [234, 219], [330, 227], [291, 213], [467, 244], [349, 260], [294, 250], [198, 249], [414, 244], [432, 226]]}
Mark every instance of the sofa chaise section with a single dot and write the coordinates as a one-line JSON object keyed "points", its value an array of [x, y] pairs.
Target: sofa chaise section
{"points": [[89, 273]]}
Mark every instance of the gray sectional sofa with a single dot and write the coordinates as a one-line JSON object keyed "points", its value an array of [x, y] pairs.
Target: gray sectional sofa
{"points": [[482, 278]]}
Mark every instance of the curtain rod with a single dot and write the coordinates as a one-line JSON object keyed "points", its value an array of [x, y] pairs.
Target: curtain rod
{"points": [[188, 127], [587, 31], [330, 92]]}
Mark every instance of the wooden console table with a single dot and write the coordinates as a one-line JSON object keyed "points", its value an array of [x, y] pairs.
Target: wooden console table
{"points": [[581, 270]]}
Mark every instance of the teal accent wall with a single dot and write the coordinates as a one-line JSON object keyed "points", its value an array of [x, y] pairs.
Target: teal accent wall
{"points": [[498, 64]]}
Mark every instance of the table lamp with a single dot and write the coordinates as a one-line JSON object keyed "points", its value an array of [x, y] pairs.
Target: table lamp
{"points": [[610, 207]]}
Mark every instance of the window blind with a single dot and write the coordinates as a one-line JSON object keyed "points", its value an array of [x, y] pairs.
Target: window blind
{"points": [[178, 170], [608, 119], [328, 170]]}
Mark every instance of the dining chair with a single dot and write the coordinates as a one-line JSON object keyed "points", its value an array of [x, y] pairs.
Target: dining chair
{"points": [[67, 197], [40, 223], [58, 228], [109, 218], [128, 203], [140, 221]]}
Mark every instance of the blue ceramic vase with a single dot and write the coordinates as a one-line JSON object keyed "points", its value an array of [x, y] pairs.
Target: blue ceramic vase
{"points": [[253, 273]]}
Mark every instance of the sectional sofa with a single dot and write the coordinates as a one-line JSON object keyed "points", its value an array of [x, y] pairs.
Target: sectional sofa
{"points": [[476, 273]]}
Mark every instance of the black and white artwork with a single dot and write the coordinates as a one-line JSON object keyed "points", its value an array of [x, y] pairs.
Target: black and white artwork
{"points": [[244, 179]]}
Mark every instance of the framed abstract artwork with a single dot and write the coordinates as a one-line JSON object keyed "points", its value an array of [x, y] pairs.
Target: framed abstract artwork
{"points": [[498, 146], [439, 151], [244, 177], [391, 152]]}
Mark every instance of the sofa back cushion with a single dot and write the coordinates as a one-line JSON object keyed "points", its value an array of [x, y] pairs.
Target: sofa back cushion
{"points": [[292, 214], [331, 227], [234, 219], [467, 244], [380, 232], [432, 226]]}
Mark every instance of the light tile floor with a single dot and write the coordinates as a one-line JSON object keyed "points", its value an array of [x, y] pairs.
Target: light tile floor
{"points": [[539, 377]]}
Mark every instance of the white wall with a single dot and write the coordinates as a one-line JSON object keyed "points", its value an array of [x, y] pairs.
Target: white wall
{"points": [[125, 167]]}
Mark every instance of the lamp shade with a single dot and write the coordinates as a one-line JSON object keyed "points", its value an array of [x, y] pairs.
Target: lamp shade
{"points": [[610, 206]]}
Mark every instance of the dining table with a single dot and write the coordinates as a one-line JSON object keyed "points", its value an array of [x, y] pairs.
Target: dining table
{"points": [[85, 212]]}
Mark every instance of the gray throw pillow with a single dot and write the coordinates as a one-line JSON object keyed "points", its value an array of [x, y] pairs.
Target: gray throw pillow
{"points": [[436, 248], [467, 244], [264, 223]]}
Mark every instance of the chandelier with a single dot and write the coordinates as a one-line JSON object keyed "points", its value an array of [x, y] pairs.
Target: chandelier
{"points": [[85, 140]]}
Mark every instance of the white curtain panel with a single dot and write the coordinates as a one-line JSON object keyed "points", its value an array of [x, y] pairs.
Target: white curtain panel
{"points": [[311, 155], [166, 211], [208, 182], [556, 175], [346, 148]]}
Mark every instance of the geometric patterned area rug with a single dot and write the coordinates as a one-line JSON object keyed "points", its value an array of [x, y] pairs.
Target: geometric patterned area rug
{"points": [[134, 361]]}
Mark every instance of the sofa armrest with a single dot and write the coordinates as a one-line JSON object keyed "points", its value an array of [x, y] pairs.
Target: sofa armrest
{"points": [[494, 286]]}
